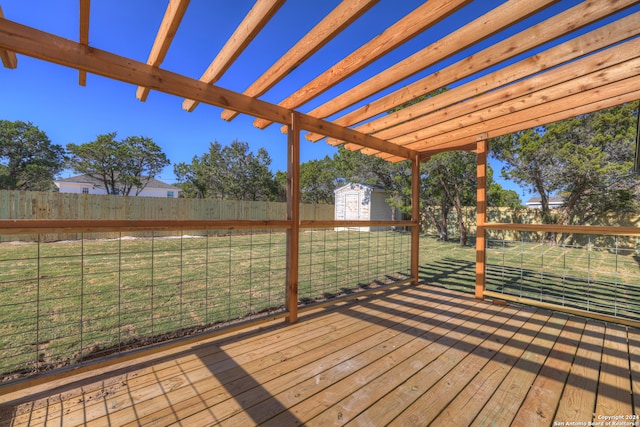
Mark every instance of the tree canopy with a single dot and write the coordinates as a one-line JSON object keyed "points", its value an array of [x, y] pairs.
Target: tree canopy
{"points": [[28, 159], [228, 172], [121, 166], [588, 160]]}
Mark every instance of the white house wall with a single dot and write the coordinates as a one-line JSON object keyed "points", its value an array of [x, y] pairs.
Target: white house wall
{"points": [[77, 188]]}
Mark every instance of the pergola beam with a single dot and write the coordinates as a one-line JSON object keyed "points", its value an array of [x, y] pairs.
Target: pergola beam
{"points": [[332, 25], [474, 32], [51, 48], [582, 103], [411, 25], [579, 16], [481, 118], [248, 29], [571, 50], [168, 28], [84, 34], [8, 57], [616, 63]]}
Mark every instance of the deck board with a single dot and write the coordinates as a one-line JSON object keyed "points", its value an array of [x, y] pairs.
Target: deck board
{"points": [[418, 355]]}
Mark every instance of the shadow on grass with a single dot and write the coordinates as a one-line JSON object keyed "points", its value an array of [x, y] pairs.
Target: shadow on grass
{"points": [[597, 296]]}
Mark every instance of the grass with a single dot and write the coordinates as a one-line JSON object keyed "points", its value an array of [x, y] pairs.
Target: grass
{"points": [[64, 302]]}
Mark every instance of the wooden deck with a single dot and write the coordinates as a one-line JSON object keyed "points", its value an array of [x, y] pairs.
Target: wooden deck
{"points": [[410, 357]]}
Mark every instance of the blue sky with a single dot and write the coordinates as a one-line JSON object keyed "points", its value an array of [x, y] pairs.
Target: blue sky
{"points": [[49, 96]]}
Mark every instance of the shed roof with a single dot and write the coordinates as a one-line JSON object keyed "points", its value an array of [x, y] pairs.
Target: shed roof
{"points": [[353, 185], [511, 66]]}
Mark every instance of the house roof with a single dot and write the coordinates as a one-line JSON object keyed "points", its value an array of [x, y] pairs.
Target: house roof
{"points": [[86, 179], [512, 66]]}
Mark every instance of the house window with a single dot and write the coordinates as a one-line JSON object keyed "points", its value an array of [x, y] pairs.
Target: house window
{"points": [[169, 193], [85, 190]]}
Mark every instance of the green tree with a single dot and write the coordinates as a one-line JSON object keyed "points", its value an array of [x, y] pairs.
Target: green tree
{"points": [[28, 159], [452, 178], [498, 196], [229, 172], [587, 159], [121, 166], [318, 181]]}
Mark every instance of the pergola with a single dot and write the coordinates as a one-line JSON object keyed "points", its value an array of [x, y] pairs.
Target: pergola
{"points": [[516, 83]]}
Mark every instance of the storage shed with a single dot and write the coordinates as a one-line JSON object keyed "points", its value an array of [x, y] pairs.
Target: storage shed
{"points": [[361, 202]]}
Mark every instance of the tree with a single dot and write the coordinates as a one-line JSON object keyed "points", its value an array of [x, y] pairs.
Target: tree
{"points": [[120, 166], [587, 159], [498, 196], [318, 181], [230, 172], [28, 159], [452, 177]]}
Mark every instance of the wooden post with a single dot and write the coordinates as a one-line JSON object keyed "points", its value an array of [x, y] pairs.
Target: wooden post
{"points": [[415, 218], [293, 216], [481, 219]]}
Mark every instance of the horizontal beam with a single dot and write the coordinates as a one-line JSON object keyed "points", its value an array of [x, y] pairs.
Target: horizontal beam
{"points": [[555, 228], [355, 223], [313, 124], [48, 47], [48, 226]]}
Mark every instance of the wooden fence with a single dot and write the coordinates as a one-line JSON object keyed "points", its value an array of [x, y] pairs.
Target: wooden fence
{"points": [[43, 205]]}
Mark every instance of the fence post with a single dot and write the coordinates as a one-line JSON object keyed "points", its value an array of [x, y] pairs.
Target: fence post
{"points": [[481, 219], [293, 216]]}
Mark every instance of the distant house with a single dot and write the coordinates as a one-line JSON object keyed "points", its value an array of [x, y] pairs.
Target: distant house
{"points": [[84, 184], [362, 202], [554, 202]]}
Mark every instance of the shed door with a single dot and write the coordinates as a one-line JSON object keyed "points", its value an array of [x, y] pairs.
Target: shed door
{"points": [[351, 205]]}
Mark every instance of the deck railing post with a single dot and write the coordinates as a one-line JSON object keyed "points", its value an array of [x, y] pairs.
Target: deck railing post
{"points": [[415, 218], [293, 216], [481, 219]]}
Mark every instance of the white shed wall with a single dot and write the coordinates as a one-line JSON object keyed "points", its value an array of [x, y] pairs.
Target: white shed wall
{"points": [[357, 202]]}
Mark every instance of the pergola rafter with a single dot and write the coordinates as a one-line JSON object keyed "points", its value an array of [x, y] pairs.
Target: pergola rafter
{"points": [[535, 36], [248, 29], [411, 25], [8, 57], [489, 24], [613, 64], [330, 26], [571, 50], [85, 8], [168, 28]]}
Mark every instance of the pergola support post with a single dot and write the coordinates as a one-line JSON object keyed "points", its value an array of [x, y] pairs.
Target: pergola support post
{"points": [[415, 218], [481, 219], [293, 216]]}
